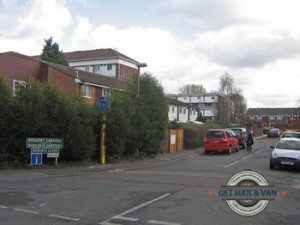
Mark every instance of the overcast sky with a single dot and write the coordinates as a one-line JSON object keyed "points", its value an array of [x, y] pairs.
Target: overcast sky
{"points": [[183, 41]]}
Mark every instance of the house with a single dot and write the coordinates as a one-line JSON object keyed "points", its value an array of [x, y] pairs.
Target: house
{"points": [[17, 68], [282, 118], [181, 112], [209, 105], [108, 62]]}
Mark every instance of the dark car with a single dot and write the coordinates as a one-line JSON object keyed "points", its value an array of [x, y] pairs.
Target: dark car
{"points": [[274, 132], [220, 140], [241, 135]]}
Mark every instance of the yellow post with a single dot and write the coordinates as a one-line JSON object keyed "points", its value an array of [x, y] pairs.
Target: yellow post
{"points": [[102, 143]]}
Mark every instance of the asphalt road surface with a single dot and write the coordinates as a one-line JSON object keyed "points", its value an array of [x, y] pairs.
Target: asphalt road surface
{"points": [[167, 190]]}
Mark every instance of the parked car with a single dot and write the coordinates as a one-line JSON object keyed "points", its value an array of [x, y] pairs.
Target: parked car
{"points": [[241, 135], [220, 140], [274, 132], [286, 153], [290, 133]]}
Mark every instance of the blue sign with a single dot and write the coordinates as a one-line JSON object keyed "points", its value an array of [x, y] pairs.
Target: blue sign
{"points": [[102, 104], [36, 159]]}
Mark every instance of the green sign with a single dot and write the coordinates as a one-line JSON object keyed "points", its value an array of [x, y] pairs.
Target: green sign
{"points": [[44, 143]]}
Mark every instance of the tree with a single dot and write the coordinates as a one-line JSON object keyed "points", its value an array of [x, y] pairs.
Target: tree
{"points": [[235, 105], [191, 89], [5, 121], [41, 110], [148, 116], [51, 53]]}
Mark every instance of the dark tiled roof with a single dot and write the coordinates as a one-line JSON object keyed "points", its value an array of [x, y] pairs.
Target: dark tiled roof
{"points": [[19, 55], [104, 53], [88, 77], [273, 111]]}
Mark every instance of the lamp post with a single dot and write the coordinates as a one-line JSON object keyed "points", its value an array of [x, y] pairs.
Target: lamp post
{"points": [[139, 65]]}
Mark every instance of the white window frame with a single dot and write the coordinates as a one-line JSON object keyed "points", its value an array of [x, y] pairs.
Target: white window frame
{"points": [[17, 84], [87, 91]]}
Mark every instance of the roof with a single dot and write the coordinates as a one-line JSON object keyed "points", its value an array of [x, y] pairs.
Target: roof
{"points": [[91, 78], [192, 95], [273, 111], [172, 101], [104, 53], [19, 55]]}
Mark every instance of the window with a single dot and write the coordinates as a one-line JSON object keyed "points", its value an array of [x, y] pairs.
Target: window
{"points": [[17, 85], [87, 68], [106, 92], [87, 93], [109, 67]]}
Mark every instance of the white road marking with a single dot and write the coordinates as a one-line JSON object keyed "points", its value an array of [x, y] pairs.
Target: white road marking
{"points": [[232, 164], [108, 223], [143, 205], [121, 215], [248, 156], [125, 218], [26, 211], [3, 207], [257, 151], [157, 222], [64, 217]]}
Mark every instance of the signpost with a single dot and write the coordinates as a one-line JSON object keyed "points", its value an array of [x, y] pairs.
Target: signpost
{"points": [[40, 146], [36, 159], [103, 110]]}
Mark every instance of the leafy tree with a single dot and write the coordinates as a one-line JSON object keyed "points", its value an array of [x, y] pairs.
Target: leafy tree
{"points": [[191, 89], [51, 53], [6, 118], [41, 110], [117, 126], [148, 116]]}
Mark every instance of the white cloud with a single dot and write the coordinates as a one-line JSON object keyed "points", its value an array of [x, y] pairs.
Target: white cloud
{"points": [[30, 23], [247, 46], [241, 37]]}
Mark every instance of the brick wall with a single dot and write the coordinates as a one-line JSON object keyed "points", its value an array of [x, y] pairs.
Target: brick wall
{"points": [[125, 73], [14, 66]]}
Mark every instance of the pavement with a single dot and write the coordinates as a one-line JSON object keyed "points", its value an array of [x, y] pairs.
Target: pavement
{"points": [[122, 165]]}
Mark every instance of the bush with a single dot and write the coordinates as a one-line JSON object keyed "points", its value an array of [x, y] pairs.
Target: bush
{"points": [[40, 110]]}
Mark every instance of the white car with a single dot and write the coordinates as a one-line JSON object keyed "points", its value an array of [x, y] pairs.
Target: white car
{"points": [[286, 153]]}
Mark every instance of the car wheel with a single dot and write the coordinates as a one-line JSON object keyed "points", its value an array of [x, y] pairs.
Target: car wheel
{"points": [[272, 167], [237, 149], [229, 151]]}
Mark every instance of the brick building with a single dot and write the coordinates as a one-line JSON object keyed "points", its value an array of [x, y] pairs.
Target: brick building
{"points": [[282, 118], [108, 62], [17, 68]]}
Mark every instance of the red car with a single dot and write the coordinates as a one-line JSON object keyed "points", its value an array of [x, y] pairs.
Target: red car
{"points": [[220, 140]]}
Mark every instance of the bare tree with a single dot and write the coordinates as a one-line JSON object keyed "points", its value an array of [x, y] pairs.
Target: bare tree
{"points": [[235, 105], [191, 89]]}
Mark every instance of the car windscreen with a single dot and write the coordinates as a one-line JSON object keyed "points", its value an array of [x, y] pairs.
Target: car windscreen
{"points": [[237, 132], [215, 134], [289, 145], [296, 135]]}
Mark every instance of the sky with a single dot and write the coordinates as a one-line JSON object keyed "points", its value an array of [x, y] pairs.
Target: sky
{"points": [[257, 42]]}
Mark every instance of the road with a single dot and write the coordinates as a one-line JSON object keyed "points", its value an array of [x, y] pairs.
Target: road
{"points": [[168, 192]]}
